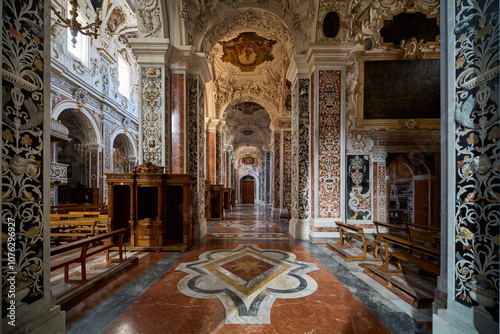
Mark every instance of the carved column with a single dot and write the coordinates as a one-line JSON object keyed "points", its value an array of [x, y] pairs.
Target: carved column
{"points": [[467, 294], [154, 119], [298, 74], [379, 178], [277, 173], [267, 181], [25, 186], [219, 153], [327, 147]]}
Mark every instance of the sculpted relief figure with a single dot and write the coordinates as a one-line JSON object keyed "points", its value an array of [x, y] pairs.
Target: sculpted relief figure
{"points": [[148, 18]]}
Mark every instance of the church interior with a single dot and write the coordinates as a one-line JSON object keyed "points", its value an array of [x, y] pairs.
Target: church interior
{"points": [[250, 166]]}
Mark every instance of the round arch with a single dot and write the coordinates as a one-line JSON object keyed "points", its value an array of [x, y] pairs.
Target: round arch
{"points": [[131, 144], [88, 118]]}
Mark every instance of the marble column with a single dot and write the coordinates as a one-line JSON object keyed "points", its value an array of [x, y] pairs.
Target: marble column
{"points": [[327, 150], [211, 125], [219, 153], [467, 294], [380, 184], [268, 179], [276, 174], [25, 86], [298, 74], [154, 118]]}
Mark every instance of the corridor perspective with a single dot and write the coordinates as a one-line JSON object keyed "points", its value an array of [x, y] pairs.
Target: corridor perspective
{"points": [[250, 166], [247, 276]]}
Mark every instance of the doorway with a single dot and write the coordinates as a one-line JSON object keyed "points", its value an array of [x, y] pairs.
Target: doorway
{"points": [[247, 190]]}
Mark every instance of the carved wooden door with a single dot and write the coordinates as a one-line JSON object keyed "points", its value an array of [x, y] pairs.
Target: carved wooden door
{"points": [[247, 192]]}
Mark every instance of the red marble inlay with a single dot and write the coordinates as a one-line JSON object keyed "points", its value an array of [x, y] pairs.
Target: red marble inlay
{"points": [[178, 131], [211, 157], [247, 267]]}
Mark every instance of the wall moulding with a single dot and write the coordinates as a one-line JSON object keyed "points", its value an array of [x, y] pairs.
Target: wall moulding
{"points": [[387, 123]]}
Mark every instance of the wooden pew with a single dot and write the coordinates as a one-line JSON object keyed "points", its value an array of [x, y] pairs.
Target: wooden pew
{"points": [[85, 251], [428, 235], [352, 232], [395, 248]]}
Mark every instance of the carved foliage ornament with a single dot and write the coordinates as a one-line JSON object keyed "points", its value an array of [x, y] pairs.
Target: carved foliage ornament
{"points": [[149, 18]]}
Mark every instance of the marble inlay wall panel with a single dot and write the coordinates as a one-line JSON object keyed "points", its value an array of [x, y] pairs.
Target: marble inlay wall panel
{"points": [[23, 96], [268, 178], [94, 168], [329, 143], [192, 133], [277, 170], [358, 188], [311, 151], [477, 154], [218, 158], [287, 168], [167, 122], [201, 153], [295, 153], [151, 79], [177, 119], [303, 149]]}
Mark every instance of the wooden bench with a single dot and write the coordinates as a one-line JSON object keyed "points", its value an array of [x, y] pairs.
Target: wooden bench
{"points": [[67, 230], [86, 250], [395, 248], [424, 234], [350, 232]]}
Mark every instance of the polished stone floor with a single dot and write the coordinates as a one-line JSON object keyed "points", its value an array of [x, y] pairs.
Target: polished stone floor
{"points": [[246, 276]]}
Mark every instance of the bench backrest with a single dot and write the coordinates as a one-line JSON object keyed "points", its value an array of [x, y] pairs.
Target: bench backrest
{"points": [[391, 227], [349, 227], [79, 243], [410, 245]]}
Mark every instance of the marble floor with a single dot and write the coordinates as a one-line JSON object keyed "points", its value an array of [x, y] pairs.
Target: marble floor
{"points": [[246, 276]]}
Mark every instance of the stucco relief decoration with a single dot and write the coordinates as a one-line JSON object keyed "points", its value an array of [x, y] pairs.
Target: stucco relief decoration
{"points": [[247, 19], [329, 143], [303, 149], [148, 18], [247, 51], [151, 114], [477, 154], [358, 188], [332, 21], [365, 23], [22, 141]]}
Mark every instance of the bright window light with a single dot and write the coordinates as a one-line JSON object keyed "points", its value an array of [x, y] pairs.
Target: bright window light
{"points": [[124, 77]]}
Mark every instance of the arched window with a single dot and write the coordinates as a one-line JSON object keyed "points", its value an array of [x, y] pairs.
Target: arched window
{"points": [[80, 49], [124, 77]]}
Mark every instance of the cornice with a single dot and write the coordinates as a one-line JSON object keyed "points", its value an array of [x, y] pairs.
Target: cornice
{"points": [[151, 50]]}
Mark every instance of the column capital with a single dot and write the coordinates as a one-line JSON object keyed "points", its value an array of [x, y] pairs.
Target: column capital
{"points": [[151, 50], [182, 57], [199, 66], [299, 67], [379, 154], [221, 125], [211, 124]]}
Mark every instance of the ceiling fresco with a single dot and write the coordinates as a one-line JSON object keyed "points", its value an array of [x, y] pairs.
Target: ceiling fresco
{"points": [[247, 51]]}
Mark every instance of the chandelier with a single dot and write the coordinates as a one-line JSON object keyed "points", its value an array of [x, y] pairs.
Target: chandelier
{"points": [[81, 148], [76, 27]]}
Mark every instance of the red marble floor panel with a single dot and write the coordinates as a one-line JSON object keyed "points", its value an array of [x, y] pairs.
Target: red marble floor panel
{"points": [[108, 287], [330, 309]]}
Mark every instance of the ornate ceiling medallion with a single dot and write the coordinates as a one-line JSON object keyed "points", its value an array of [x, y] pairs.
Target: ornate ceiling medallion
{"points": [[247, 51]]}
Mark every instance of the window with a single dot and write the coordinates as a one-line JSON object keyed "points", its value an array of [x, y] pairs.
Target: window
{"points": [[80, 51], [124, 77]]}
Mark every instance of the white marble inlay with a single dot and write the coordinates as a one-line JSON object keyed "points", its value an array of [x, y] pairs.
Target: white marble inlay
{"points": [[247, 301]]}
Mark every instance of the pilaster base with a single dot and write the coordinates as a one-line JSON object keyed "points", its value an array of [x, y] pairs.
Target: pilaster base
{"points": [[201, 230], [47, 321], [463, 321], [276, 213], [300, 228]]}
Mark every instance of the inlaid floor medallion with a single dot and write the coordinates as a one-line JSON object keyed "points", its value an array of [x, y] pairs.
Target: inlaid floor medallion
{"points": [[247, 280], [247, 225]]}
